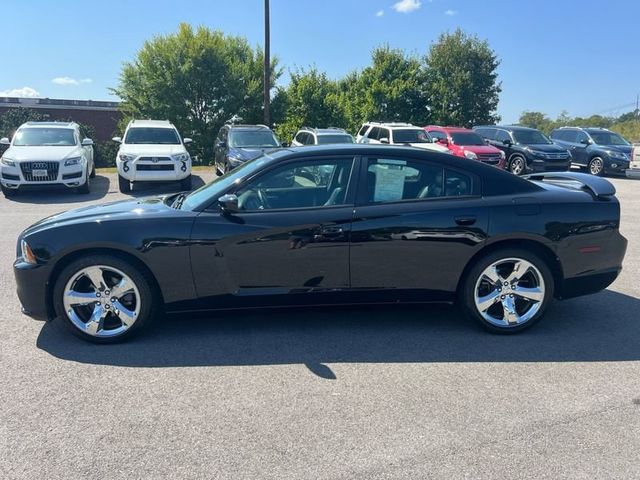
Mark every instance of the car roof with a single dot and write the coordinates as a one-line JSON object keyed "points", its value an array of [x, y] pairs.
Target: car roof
{"points": [[509, 128], [50, 124], [150, 124], [450, 129], [247, 127]]}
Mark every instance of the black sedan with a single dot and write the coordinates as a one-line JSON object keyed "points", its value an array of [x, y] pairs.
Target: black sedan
{"points": [[328, 225]]}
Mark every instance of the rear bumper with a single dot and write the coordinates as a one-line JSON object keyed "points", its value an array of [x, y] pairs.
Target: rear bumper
{"points": [[587, 284], [32, 289]]}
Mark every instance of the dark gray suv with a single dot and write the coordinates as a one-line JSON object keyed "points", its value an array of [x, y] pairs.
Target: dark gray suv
{"points": [[599, 150], [237, 144]]}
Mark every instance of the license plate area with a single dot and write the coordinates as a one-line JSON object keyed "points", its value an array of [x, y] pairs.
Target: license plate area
{"points": [[39, 173]]}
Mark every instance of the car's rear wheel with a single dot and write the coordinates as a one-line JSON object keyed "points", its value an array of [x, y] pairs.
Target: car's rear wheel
{"points": [[508, 290], [517, 165], [185, 183], [123, 184], [596, 166], [103, 299]]}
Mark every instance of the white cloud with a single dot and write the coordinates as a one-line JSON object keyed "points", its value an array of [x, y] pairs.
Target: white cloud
{"points": [[20, 92], [70, 81], [407, 6], [379, 13], [450, 12]]}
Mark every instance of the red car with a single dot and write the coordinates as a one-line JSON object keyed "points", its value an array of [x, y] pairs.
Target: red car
{"points": [[466, 143]]}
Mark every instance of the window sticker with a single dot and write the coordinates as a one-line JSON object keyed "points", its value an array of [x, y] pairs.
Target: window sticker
{"points": [[389, 183]]}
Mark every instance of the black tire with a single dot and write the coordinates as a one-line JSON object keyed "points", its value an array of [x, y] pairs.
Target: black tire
{"points": [[85, 188], [185, 183], [596, 166], [8, 192], [148, 301], [467, 293], [123, 184], [93, 171], [518, 165]]}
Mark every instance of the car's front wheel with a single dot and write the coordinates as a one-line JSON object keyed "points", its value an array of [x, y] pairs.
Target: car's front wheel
{"points": [[596, 166], [518, 165], [508, 290], [103, 299], [124, 185]]}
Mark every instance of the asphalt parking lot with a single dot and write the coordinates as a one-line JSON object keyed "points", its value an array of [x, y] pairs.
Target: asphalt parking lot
{"points": [[411, 392]]}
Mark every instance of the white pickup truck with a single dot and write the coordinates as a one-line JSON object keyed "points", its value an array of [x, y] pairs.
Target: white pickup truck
{"points": [[634, 162], [47, 153]]}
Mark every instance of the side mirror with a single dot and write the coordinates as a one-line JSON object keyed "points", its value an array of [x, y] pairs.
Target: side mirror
{"points": [[87, 142], [586, 142], [285, 144], [229, 203], [486, 140], [384, 140], [5, 141], [507, 142], [187, 140], [443, 141], [117, 139]]}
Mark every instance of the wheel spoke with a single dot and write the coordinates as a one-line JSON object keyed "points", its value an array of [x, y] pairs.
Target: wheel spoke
{"points": [[126, 316], [96, 276], [484, 303], [533, 294], [511, 316], [520, 268], [121, 288], [492, 275], [80, 298], [94, 325]]}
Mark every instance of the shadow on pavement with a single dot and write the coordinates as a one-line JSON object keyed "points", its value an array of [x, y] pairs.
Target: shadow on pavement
{"points": [[601, 327], [146, 189], [61, 194]]}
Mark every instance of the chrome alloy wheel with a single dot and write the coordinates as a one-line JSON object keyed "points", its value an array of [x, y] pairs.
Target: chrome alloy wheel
{"points": [[596, 166], [517, 165], [509, 292], [101, 301]]}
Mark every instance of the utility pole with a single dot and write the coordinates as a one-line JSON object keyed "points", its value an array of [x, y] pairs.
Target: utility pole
{"points": [[267, 64]]}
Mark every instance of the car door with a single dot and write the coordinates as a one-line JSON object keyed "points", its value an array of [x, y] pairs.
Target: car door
{"points": [[290, 236], [503, 136], [579, 149], [415, 227]]}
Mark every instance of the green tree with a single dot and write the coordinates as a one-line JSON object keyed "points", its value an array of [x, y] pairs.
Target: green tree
{"points": [[13, 118], [311, 99], [537, 120], [198, 79], [462, 80]]}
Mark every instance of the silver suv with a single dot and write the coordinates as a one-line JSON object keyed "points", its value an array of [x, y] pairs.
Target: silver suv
{"points": [[321, 136]]}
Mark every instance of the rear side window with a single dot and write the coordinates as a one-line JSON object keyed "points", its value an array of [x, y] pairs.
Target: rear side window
{"points": [[394, 179]]}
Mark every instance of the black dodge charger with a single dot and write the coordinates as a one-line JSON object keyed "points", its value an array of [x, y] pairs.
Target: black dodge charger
{"points": [[328, 225]]}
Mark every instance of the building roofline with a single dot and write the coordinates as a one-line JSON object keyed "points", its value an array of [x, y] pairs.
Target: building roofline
{"points": [[58, 104]]}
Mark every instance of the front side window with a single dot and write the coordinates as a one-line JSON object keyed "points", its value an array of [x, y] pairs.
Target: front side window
{"points": [[438, 134], [393, 180], [252, 138], [363, 130], [45, 137], [374, 133], [501, 136], [581, 137], [301, 184], [152, 136], [608, 138]]}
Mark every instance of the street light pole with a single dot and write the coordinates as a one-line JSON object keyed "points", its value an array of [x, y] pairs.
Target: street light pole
{"points": [[267, 64]]}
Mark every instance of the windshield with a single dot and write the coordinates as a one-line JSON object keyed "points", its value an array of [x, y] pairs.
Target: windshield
{"points": [[411, 136], [327, 139], [467, 138], [608, 138], [213, 190], [152, 136], [252, 138], [530, 137], [41, 137]]}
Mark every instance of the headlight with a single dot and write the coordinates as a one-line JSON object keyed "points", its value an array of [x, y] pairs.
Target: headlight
{"points": [[470, 155], [126, 158], [7, 162], [72, 161], [27, 255], [183, 157], [538, 154], [621, 155]]}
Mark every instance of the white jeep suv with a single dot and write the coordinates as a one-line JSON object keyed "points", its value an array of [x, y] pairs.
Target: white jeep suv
{"points": [[47, 153], [152, 151], [398, 134]]}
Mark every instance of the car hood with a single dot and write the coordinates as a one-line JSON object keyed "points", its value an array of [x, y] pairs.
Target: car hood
{"points": [[120, 210], [482, 149], [152, 150], [544, 147], [42, 153], [619, 148], [246, 154]]}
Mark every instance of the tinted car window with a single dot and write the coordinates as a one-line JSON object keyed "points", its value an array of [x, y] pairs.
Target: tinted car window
{"points": [[374, 134], [417, 135], [488, 133], [302, 184], [467, 138], [530, 137], [392, 180], [437, 134], [363, 130], [580, 137], [384, 133], [252, 138], [338, 138], [502, 135], [607, 138]]}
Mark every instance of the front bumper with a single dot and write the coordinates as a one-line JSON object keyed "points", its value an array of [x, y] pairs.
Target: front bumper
{"points": [[19, 176], [139, 170], [32, 289], [538, 166]]}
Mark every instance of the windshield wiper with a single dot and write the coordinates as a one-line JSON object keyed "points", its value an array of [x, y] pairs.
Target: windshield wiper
{"points": [[177, 203]]}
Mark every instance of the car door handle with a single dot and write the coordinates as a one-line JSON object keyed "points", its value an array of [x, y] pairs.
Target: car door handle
{"points": [[466, 221], [331, 231]]}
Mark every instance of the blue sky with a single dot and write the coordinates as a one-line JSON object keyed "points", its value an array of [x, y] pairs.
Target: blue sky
{"points": [[579, 56]]}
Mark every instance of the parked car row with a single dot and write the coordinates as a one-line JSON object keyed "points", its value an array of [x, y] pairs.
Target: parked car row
{"points": [[53, 153]]}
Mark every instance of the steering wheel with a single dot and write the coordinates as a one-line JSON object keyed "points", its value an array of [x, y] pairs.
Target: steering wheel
{"points": [[263, 199]]}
